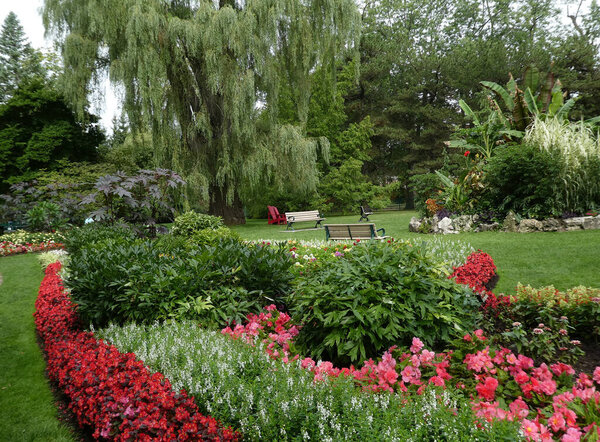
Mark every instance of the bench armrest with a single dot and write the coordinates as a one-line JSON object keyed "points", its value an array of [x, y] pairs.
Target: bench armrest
{"points": [[382, 230]]}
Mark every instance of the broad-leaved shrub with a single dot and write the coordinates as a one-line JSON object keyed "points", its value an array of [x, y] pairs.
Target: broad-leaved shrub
{"points": [[375, 297]]}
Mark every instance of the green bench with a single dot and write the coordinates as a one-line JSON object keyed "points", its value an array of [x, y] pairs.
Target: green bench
{"points": [[11, 226], [353, 231]]}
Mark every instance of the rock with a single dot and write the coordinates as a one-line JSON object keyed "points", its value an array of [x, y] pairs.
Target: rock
{"points": [[553, 225], [414, 224], [510, 222], [445, 226], [463, 223], [487, 227], [591, 222], [530, 225], [574, 223]]}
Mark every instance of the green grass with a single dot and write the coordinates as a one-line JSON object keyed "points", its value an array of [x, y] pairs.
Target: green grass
{"points": [[562, 259], [26, 402]]}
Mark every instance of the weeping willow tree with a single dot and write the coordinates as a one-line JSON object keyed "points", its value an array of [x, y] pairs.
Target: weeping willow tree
{"points": [[205, 76]]}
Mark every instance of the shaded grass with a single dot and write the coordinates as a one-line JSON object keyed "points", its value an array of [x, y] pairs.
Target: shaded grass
{"points": [[26, 401], [562, 259]]}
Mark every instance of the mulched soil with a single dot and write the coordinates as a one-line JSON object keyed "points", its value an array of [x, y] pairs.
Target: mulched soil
{"points": [[590, 360]]}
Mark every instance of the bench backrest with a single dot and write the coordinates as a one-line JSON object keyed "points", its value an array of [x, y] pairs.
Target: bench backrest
{"points": [[310, 215], [350, 231]]}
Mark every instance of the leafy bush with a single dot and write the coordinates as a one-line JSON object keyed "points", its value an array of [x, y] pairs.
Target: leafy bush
{"points": [[425, 186], [191, 222], [213, 236], [525, 180], [375, 297], [270, 400], [90, 234], [120, 279], [44, 217]]}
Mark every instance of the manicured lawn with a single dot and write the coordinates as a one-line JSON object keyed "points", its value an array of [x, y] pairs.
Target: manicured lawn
{"points": [[562, 259], [26, 402]]}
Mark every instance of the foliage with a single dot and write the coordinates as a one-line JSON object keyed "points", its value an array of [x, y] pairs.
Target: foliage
{"points": [[274, 400], [577, 149], [214, 283], [146, 197], [22, 237], [191, 222], [375, 297], [425, 186], [44, 217], [213, 236], [580, 305], [47, 258], [93, 233], [131, 153], [345, 188], [524, 179], [109, 391], [200, 91], [37, 129], [18, 61]]}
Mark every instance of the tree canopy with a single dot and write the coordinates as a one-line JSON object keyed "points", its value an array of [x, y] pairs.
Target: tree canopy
{"points": [[207, 73]]}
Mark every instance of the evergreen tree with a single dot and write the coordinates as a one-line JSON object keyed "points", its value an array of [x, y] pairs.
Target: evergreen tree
{"points": [[18, 61], [208, 73]]}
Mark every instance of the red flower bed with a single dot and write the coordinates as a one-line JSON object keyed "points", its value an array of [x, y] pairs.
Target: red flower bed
{"points": [[8, 248], [111, 392], [476, 272]]}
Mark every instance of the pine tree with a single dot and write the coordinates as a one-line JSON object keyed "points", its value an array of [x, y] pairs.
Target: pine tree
{"points": [[208, 73], [15, 52]]}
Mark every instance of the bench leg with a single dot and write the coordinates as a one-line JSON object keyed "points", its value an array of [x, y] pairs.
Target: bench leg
{"points": [[318, 224], [290, 225]]}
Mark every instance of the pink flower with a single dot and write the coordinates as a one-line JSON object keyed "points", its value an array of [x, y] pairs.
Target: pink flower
{"points": [[557, 422], [530, 429], [597, 375], [411, 375], [436, 380], [563, 332], [467, 338], [479, 334], [519, 408], [575, 342], [416, 346], [307, 363], [572, 435], [538, 331], [561, 368], [427, 356], [521, 377], [487, 390]]}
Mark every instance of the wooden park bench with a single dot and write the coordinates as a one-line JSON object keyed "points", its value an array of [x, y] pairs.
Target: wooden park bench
{"points": [[296, 217], [274, 216], [353, 232], [365, 211]]}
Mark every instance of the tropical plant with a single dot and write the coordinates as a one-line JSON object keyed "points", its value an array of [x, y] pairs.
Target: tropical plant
{"points": [[45, 217]]}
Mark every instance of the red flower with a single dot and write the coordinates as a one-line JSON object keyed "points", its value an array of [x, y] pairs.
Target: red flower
{"points": [[467, 153]]}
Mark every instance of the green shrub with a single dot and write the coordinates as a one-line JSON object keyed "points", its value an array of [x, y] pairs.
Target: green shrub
{"points": [[213, 236], [375, 297], [90, 234], [425, 186], [44, 217], [191, 222], [524, 179], [269, 400], [121, 279]]}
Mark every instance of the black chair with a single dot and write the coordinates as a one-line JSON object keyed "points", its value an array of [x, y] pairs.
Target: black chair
{"points": [[365, 211]]}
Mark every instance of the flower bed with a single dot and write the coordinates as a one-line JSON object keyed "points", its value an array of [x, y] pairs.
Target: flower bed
{"points": [[112, 393], [8, 248]]}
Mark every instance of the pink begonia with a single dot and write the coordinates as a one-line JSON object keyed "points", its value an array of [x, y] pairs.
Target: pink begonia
{"points": [[479, 334], [436, 380], [561, 368], [521, 377], [416, 346], [584, 381], [519, 408], [479, 361], [487, 390], [467, 338], [572, 435], [511, 358], [308, 363], [524, 362], [411, 375], [426, 357], [557, 422], [596, 375], [530, 429]]}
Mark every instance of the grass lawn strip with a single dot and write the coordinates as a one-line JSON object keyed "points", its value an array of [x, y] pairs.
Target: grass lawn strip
{"points": [[26, 401], [562, 259]]}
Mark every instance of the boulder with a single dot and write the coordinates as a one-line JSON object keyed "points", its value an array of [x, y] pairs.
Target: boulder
{"points": [[414, 224], [553, 225], [463, 223], [487, 227], [510, 222], [445, 226], [574, 223], [591, 222], [530, 225]]}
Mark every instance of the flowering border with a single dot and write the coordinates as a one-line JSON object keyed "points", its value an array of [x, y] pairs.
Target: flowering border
{"points": [[8, 248], [112, 392]]}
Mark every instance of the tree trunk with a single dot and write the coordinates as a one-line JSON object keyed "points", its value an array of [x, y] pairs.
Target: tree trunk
{"points": [[231, 213]]}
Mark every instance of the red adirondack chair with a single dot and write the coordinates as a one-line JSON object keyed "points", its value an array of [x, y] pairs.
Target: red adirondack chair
{"points": [[275, 217]]}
